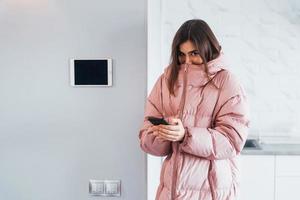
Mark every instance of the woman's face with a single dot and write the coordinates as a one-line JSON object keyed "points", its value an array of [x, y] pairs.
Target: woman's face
{"points": [[188, 54]]}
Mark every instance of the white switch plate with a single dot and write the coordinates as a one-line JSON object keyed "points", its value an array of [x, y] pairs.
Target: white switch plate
{"points": [[96, 187], [108, 188]]}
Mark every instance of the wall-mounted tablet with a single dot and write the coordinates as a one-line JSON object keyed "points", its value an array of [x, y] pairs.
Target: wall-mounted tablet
{"points": [[91, 72]]}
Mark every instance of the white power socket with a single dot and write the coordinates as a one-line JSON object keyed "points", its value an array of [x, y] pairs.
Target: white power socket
{"points": [[105, 187]]}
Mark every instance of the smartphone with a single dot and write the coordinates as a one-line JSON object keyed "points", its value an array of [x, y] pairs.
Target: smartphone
{"points": [[157, 121]]}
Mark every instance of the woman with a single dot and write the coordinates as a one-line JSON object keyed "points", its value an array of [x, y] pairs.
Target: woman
{"points": [[207, 111]]}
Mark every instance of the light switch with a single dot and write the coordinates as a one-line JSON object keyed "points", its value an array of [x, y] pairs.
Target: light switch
{"points": [[96, 187], [105, 188], [111, 188]]}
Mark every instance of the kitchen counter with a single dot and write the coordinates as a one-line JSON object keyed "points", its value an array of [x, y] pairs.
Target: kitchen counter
{"points": [[273, 149]]}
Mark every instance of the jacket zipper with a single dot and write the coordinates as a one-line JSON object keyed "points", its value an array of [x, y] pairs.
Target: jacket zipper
{"points": [[182, 103], [210, 181]]}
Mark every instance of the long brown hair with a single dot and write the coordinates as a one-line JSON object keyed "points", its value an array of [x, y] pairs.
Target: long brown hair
{"points": [[199, 33]]}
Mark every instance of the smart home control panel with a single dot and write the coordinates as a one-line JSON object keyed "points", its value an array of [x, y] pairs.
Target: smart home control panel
{"points": [[91, 72]]}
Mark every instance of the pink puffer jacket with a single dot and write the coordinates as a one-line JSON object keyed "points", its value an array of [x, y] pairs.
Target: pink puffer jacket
{"points": [[215, 113]]}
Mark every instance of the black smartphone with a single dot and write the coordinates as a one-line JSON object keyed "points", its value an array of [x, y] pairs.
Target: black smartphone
{"points": [[157, 121]]}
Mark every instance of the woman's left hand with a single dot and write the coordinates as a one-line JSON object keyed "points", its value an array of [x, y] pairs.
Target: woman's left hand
{"points": [[173, 132]]}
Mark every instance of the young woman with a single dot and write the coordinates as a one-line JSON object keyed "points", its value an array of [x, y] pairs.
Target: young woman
{"points": [[206, 109]]}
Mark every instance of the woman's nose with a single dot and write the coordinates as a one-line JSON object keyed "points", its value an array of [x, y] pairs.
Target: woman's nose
{"points": [[188, 60]]}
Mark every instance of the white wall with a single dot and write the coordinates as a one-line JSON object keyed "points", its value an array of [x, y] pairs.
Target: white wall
{"points": [[53, 137], [261, 42]]}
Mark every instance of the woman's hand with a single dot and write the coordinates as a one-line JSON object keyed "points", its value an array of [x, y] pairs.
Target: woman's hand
{"points": [[173, 132]]}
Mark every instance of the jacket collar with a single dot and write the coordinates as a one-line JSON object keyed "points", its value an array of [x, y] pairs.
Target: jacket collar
{"points": [[196, 74]]}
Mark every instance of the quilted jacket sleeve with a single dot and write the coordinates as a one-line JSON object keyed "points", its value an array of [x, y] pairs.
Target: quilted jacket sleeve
{"points": [[148, 142], [228, 135]]}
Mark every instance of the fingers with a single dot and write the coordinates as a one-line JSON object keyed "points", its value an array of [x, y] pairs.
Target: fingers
{"points": [[169, 127], [175, 121], [168, 134], [173, 132], [165, 136], [166, 127], [153, 128]]}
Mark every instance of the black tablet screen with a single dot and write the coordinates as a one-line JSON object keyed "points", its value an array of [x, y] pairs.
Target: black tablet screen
{"points": [[91, 72]]}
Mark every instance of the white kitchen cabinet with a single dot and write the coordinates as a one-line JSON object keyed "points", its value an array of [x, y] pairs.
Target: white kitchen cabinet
{"points": [[287, 166], [257, 177], [287, 188], [287, 177]]}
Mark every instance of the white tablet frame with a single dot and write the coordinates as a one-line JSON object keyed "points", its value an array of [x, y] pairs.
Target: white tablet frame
{"points": [[109, 72]]}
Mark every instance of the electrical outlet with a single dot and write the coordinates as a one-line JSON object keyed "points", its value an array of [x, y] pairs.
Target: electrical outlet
{"points": [[105, 188]]}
